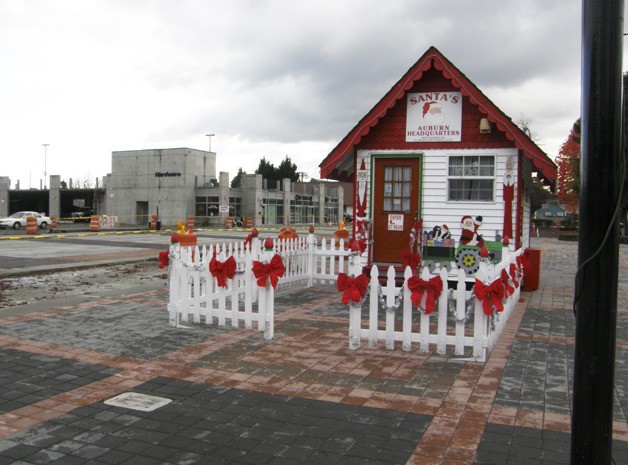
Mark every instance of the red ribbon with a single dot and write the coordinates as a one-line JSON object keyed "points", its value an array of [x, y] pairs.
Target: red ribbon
{"points": [[506, 281], [352, 288], [273, 271], [164, 260], [524, 264], [513, 274], [410, 259], [433, 287], [361, 244], [223, 270], [249, 238], [490, 295]]}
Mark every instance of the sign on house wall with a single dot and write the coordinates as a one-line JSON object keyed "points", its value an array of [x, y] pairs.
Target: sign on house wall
{"points": [[395, 222], [434, 117]]}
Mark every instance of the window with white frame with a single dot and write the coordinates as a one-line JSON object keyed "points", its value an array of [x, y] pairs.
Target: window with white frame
{"points": [[471, 177]]}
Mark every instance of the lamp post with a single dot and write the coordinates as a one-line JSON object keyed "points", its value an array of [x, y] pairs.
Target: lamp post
{"points": [[45, 165], [210, 141]]}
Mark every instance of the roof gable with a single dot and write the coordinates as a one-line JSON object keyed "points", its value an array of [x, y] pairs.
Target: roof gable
{"points": [[341, 157]]}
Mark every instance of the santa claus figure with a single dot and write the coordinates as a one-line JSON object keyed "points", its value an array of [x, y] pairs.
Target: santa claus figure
{"points": [[469, 235]]}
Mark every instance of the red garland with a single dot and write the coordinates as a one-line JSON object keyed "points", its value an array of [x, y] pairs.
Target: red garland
{"points": [[490, 295], [273, 271], [223, 270], [352, 288], [433, 287], [164, 260], [506, 281], [410, 259]]}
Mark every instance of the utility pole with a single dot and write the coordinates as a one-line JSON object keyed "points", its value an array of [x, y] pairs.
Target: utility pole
{"points": [[210, 141], [45, 165], [601, 182]]}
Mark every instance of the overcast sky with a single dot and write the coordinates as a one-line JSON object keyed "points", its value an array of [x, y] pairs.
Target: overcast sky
{"points": [[268, 78]]}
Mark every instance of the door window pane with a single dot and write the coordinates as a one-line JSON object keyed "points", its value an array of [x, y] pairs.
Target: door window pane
{"points": [[397, 188]]}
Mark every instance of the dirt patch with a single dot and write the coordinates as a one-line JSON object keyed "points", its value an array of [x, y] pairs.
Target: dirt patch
{"points": [[23, 290]]}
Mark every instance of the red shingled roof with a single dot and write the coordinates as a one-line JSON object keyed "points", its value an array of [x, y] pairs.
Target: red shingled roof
{"points": [[342, 155]]}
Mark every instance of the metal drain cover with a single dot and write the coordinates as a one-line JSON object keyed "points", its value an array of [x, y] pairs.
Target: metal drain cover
{"points": [[137, 401]]}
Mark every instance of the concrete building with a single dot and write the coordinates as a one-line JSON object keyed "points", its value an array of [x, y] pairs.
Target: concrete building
{"points": [[178, 182], [175, 183], [156, 181]]}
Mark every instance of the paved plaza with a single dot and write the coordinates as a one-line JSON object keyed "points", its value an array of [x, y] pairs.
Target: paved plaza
{"points": [[303, 397]]}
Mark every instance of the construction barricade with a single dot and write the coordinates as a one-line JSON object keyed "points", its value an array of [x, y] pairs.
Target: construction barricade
{"points": [[31, 225], [154, 223], [94, 224]]}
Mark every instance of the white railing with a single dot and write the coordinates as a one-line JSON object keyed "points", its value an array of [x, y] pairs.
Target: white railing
{"points": [[458, 321]]}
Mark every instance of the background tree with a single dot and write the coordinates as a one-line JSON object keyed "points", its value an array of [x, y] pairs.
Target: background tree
{"points": [[540, 194], [237, 179], [287, 169], [266, 169], [568, 161]]}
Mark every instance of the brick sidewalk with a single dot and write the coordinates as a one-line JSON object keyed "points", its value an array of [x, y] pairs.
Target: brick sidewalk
{"points": [[303, 397]]}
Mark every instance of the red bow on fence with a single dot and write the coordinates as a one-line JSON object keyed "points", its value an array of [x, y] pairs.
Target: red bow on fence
{"points": [[254, 233], [273, 271], [433, 287], [164, 260], [524, 264], [513, 274], [410, 259], [353, 288], [223, 270], [490, 295], [506, 281]]}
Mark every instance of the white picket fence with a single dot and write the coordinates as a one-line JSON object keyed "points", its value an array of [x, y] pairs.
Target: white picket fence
{"points": [[195, 295], [458, 321]]}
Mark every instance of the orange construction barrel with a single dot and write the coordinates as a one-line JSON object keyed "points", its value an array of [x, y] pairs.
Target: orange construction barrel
{"points": [[249, 222], [532, 276], [53, 222], [154, 222], [94, 224], [190, 224], [31, 225]]}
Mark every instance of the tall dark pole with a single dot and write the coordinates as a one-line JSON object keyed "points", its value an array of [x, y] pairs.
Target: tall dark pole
{"points": [[600, 191]]}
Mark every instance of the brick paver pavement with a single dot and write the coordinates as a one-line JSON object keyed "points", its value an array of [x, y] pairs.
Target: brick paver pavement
{"points": [[303, 397]]}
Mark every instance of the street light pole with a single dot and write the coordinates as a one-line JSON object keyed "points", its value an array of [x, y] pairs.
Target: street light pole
{"points": [[45, 165], [210, 141]]}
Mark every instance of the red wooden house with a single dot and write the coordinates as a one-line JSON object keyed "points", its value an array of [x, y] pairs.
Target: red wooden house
{"points": [[436, 149]]}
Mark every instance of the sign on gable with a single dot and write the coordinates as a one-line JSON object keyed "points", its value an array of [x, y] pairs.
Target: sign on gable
{"points": [[434, 117]]}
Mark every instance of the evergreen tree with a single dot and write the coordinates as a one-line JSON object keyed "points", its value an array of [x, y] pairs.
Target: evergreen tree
{"points": [[237, 179], [287, 169]]}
